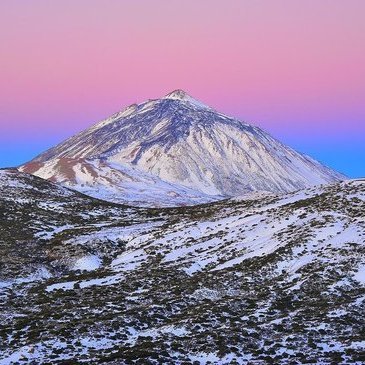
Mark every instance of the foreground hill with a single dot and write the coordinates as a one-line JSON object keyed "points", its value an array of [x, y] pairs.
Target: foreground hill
{"points": [[259, 278], [176, 151], [32, 211]]}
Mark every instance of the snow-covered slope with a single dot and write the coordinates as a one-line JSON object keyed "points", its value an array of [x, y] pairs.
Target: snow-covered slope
{"points": [[259, 279], [179, 143], [32, 211], [120, 183]]}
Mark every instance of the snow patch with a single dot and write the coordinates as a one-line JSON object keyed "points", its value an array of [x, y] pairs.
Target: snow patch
{"points": [[87, 263]]}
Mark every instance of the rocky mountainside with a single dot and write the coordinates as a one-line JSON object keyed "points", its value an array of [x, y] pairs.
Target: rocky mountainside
{"points": [[176, 151], [258, 279], [33, 210]]}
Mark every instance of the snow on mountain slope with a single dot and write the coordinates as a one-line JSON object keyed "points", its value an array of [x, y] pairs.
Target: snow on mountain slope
{"points": [[32, 212], [181, 144], [120, 183], [17, 187], [277, 280], [310, 222]]}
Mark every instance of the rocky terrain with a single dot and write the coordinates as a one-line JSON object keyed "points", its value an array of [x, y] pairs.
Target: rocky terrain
{"points": [[257, 279], [176, 151]]}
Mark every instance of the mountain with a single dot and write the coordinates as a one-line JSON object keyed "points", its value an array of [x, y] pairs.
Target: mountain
{"points": [[176, 151], [259, 279]]}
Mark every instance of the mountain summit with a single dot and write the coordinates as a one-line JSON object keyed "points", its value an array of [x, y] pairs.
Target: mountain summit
{"points": [[178, 94], [174, 151]]}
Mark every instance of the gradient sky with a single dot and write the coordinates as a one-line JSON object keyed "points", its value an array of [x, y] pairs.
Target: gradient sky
{"points": [[293, 67]]}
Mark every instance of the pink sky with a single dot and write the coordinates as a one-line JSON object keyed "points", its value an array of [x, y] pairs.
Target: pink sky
{"points": [[296, 68]]}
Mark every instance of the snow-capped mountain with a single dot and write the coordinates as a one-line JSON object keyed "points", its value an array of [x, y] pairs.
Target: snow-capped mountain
{"points": [[178, 148]]}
